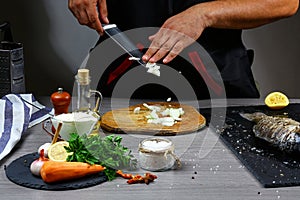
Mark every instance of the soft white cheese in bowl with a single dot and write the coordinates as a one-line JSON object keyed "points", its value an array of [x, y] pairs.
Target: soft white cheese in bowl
{"points": [[157, 154], [75, 122]]}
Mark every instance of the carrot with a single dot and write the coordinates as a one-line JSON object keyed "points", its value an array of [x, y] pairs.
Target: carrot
{"points": [[54, 171]]}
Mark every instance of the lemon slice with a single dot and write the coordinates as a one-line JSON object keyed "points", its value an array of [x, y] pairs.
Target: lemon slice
{"points": [[277, 100], [57, 151]]}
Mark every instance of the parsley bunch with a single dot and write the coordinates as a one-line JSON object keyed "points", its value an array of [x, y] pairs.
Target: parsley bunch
{"points": [[106, 151]]}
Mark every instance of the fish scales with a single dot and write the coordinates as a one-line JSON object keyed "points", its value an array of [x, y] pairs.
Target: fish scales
{"points": [[279, 131], [273, 127]]}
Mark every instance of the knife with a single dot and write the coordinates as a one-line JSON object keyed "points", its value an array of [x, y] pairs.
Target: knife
{"points": [[123, 41]]}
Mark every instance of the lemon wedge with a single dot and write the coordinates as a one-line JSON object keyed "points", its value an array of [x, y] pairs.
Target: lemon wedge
{"points": [[57, 151], [276, 100]]}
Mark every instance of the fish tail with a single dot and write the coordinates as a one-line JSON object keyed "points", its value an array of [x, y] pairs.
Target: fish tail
{"points": [[255, 117]]}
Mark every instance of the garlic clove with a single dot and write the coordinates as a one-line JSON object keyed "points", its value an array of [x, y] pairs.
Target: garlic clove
{"points": [[45, 147]]}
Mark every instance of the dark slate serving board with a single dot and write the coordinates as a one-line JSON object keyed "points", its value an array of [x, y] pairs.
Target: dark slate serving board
{"points": [[269, 165], [18, 172]]}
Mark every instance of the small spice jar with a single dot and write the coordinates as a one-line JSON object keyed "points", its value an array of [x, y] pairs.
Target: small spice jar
{"points": [[61, 101], [157, 154]]}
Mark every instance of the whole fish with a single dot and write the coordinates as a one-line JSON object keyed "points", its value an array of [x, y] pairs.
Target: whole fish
{"points": [[282, 132]]}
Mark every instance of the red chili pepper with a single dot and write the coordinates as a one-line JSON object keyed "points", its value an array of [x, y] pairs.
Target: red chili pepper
{"points": [[147, 178], [42, 156], [126, 176]]}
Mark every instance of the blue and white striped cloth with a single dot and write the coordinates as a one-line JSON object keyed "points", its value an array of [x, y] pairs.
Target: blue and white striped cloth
{"points": [[16, 116]]}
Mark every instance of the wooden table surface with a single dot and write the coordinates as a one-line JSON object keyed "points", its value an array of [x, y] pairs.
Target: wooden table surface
{"points": [[209, 170]]}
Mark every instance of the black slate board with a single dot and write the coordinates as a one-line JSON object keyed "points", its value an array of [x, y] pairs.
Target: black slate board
{"points": [[270, 166], [18, 172]]}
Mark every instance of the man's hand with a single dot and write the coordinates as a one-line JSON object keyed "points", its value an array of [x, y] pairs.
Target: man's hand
{"points": [[176, 33], [90, 13]]}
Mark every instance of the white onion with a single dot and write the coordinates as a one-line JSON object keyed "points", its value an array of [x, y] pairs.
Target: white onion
{"points": [[170, 116], [133, 58], [137, 110], [36, 167], [153, 68]]}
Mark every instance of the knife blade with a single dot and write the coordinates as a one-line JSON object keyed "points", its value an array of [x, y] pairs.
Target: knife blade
{"points": [[123, 41]]}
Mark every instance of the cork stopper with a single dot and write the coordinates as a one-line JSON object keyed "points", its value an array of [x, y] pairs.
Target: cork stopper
{"points": [[83, 76]]}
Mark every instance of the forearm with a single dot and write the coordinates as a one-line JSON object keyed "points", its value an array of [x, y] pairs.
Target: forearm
{"points": [[243, 14], [183, 29]]}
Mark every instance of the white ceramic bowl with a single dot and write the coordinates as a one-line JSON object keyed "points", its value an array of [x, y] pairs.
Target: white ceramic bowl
{"points": [[75, 122]]}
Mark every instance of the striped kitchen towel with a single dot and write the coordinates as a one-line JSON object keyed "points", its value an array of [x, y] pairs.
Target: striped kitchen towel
{"points": [[16, 116]]}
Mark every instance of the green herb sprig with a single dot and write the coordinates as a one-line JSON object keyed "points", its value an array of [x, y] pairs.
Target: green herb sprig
{"points": [[106, 151]]}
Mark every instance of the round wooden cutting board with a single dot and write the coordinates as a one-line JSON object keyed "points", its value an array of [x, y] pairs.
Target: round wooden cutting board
{"points": [[124, 120]]}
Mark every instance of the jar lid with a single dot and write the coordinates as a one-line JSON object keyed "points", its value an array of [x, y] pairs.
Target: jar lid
{"points": [[156, 145]]}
